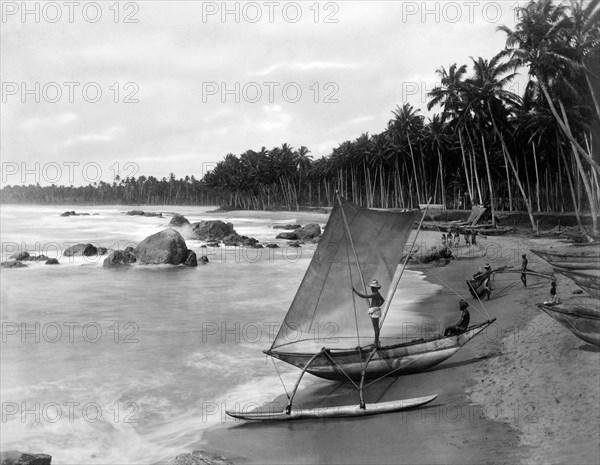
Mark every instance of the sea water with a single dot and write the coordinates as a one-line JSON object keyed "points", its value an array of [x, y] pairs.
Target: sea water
{"points": [[131, 366]]}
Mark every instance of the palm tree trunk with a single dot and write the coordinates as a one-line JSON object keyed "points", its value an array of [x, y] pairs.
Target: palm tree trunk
{"points": [[507, 157], [442, 178], [584, 177], [412, 156], [462, 149], [489, 176], [572, 189], [564, 126], [537, 179]]}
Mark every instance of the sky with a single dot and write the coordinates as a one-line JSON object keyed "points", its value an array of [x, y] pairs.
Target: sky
{"points": [[95, 89]]}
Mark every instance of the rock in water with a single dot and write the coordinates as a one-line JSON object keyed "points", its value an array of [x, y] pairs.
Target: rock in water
{"points": [[13, 457], [13, 264], [118, 259], [191, 259], [164, 247], [20, 256], [178, 221], [84, 250], [213, 230], [287, 235], [142, 213], [287, 226], [203, 259], [200, 457], [52, 261], [308, 232], [101, 250]]}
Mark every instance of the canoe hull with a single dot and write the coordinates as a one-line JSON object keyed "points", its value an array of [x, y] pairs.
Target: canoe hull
{"points": [[340, 411], [582, 321], [590, 283], [588, 259], [395, 360]]}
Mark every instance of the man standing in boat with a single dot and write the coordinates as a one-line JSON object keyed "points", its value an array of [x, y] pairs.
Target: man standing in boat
{"points": [[375, 308]]}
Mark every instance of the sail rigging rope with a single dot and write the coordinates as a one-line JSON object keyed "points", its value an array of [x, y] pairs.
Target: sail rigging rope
{"points": [[280, 378], [353, 299]]}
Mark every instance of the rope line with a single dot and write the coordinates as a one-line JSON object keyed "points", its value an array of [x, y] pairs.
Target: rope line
{"points": [[280, 378]]}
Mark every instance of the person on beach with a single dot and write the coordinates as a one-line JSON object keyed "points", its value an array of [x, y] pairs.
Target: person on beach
{"points": [[524, 263], [474, 238], [481, 283], [462, 324], [553, 297], [450, 239], [444, 239], [468, 238], [457, 238], [375, 308]]}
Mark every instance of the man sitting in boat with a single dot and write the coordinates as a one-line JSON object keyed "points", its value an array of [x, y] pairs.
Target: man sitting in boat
{"points": [[480, 285], [375, 308], [463, 323]]}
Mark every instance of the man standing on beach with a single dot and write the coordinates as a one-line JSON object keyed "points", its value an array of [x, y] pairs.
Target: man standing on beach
{"points": [[523, 269], [375, 308]]}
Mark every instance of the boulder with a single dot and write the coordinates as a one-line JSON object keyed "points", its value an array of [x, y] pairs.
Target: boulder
{"points": [[164, 247], [203, 260], [69, 213], [128, 249], [287, 235], [200, 457], [118, 259], [20, 256], [237, 240], [84, 250], [308, 232], [287, 226], [294, 244], [213, 230], [13, 264], [13, 457], [191, 259], [178, 221], [52, 261], [101, 250], [272, 246], [37, 258]]}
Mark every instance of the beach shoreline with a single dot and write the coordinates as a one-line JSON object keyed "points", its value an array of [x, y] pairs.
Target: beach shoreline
{"points": [[493, 394]]}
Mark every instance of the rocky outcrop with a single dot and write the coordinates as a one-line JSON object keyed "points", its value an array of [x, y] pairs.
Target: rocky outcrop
{"points": [[164, 247], [142, 213], [81, 250], [101, 250], [293, 244], [20, 256], [52, 261], [203, 260], [13, 457], [191, 259], [72, 213], [239, 241], [309, 233], [287, 226], [212, 230], [272, 246], [13, 264], [178, 221], [200, 457], [37, 258], [119, 259], [287, 235]]}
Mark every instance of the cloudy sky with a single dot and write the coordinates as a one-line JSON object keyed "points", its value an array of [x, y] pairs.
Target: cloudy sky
{"points": [[153, 87]]}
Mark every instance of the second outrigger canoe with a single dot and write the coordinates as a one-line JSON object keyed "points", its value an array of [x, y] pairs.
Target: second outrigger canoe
{"points": [[581, 317]]}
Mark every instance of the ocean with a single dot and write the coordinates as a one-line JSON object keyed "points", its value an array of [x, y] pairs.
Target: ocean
{"points": [[132, 366]]}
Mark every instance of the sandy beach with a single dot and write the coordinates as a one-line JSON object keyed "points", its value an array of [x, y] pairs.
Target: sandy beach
{"points": [[524, 391]]}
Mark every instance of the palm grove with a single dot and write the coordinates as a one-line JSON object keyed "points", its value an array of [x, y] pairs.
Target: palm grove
{"points": [[534, 152]]}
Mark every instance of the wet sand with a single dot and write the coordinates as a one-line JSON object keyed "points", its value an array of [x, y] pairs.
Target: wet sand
{"points": [[525, 390]]}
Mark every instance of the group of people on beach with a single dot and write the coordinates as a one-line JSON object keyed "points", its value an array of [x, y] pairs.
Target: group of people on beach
{"points": [[452, 239], [479, 287]]}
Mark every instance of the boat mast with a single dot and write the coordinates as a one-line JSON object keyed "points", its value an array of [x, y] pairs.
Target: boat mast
{"points": [[394, 286]]}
